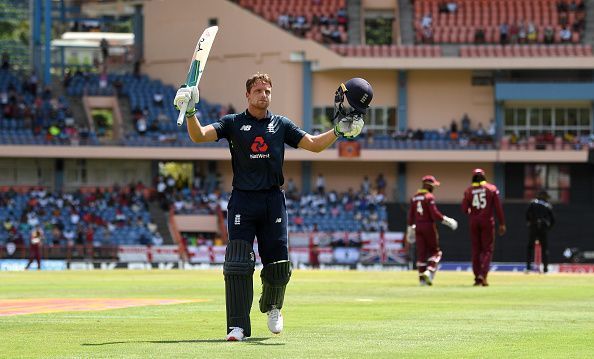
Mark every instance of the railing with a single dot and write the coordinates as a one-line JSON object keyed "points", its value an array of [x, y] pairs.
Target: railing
{"points": [[66, 252]]}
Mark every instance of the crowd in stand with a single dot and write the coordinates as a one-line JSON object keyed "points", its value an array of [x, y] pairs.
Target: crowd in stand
{"points": [[566, 28], [100, 217], [323, 210], [361, 210], [331, 28], [31, 112]]}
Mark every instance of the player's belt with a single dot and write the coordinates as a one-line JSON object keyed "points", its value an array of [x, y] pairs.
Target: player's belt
{"points": [[270, 189]]}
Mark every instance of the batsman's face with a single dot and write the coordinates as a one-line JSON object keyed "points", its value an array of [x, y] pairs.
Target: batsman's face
{"points": [[260, 95]]}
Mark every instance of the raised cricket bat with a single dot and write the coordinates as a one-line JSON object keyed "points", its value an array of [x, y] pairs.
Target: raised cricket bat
{"points": [[197, 65]]}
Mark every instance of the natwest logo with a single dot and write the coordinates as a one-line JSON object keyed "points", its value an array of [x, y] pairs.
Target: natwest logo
{"points": [[259, 145]]}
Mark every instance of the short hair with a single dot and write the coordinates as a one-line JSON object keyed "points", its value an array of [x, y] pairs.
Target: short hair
{"points": [[257, 77]]}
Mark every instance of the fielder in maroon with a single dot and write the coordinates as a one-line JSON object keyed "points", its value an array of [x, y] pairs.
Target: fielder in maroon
{"points": [[480, 203], [422, 215], [35, 247]]}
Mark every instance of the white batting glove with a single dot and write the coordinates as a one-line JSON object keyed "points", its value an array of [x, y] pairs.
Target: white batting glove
{"points": [[411, 237], [349, 127], [450, 222], [189, 95]]}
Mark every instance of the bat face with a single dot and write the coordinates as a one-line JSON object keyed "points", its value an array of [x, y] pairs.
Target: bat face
{"points": [[201, 52], [198, 63]]}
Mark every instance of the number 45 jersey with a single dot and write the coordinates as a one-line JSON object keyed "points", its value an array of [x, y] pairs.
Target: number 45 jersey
{"points": [[481, 202]]}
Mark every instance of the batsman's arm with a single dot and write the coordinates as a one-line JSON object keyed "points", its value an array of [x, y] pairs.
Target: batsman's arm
{"points": [[199, 133], [318, 143]]}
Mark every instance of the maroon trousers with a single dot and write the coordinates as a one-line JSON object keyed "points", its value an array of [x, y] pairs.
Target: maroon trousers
{"points": [[482, 234], [428, 253], [34, 255]]}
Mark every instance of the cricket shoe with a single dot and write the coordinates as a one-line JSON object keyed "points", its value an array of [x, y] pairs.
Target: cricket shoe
{"points": [[275, 320], [426, 275], [235, 335]]}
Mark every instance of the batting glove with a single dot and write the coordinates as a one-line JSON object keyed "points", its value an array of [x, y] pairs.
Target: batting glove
{"points": [[189, 95], [411, 236], [349, 127], [450, 222]]}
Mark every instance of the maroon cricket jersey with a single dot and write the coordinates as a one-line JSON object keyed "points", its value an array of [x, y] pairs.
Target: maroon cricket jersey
{"points": [[423, 209], [481, 202]]}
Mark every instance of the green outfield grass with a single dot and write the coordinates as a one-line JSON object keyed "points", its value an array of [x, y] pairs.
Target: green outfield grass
{"points": [[328, 314]]}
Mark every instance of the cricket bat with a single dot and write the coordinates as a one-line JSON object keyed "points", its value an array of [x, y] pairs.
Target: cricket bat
{"points": [[199, 58]]}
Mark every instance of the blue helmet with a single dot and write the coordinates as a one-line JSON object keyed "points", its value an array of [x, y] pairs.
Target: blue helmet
{"points": [[358, 93]]}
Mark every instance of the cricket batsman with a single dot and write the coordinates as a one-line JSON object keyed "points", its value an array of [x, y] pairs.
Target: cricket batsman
{"points": [[422, 215], [257, 209], [480, 203]]}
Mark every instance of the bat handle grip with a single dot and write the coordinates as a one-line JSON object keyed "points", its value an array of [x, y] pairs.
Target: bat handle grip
{"points": [[182, 113]]}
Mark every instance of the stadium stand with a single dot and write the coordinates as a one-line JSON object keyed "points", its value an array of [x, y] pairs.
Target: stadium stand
{"points": [[570, 50], [323, 21], [500, 21], [33, 117], [386, 50], [101, 216]]}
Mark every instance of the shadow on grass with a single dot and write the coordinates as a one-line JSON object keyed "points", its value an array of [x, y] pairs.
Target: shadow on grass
{"points": [[253, 341]]}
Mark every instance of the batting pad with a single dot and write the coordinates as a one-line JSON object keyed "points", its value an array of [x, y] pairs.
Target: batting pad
{"points": [[239, 284], [275, 277]]}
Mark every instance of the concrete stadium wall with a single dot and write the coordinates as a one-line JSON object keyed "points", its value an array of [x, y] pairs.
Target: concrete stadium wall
{"points": [[27, 171], [107, 172], [450, 95], [384, 83]]}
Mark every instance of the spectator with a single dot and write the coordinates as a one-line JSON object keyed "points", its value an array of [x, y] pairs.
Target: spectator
{"points": [[104, 45], [141, 126], [452, 7], [465, 121], [5, 60], [549, 35], [342, 18], [513, 33], [427, 35], [380, 183], [503, 33], [443, 7], [321, 184], [522, 32], [492, 130], [32, 84], [479, 36], [291, 188], [426, 21], [365, 185], [158, 98], [531, 33], [283, 21], [565, 34], [103, 79]]}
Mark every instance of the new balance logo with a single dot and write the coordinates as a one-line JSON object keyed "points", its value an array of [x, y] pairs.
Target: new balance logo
{"points": [[270, 128], [237, 220], [245, 128], [278, 220]]}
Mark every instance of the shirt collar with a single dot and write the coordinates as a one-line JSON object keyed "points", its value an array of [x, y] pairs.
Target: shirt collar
{"points": [[251, 117]]}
